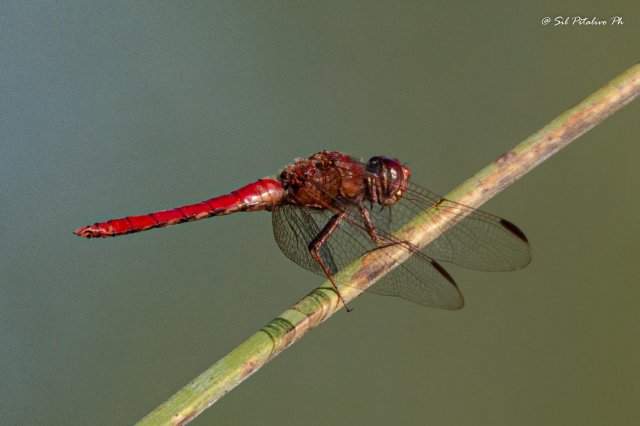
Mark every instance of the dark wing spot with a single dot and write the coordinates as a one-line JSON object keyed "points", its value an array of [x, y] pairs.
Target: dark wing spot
{"points": [[443, 272], [514, 230]]}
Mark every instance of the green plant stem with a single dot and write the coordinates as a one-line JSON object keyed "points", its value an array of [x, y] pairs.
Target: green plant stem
{"points": [[323, 302]]}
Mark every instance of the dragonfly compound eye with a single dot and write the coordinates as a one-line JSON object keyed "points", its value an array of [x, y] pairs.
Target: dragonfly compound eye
{"points": [[392, 179]]}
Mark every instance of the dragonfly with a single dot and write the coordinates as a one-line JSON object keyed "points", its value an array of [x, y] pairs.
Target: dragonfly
{"points": [[330, 209]]}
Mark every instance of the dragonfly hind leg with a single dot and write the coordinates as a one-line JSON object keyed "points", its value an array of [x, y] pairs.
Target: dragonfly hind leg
{"points": [[316, 245]]}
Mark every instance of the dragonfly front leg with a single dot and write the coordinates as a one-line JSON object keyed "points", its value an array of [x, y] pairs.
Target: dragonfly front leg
{"points": [[368, 223], [371, 230], [320, 240]]}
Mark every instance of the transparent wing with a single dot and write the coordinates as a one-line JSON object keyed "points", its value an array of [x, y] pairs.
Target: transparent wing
{"points": [[480, 241], [294, 228], [419, 279]]}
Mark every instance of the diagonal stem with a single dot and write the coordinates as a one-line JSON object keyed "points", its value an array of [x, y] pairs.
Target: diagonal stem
{"points": [[323, 302]]}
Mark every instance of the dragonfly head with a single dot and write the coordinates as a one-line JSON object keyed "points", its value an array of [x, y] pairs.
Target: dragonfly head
{"points": [[387, 181]]}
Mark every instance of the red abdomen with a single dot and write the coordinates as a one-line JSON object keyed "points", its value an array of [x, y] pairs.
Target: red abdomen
{"points": [[262, 194]]}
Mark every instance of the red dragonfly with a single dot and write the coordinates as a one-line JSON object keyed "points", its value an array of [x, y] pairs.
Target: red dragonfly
{"points": [[330, 209]]}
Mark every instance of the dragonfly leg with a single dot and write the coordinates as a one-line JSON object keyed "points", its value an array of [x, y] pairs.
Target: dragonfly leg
{"points": [[368, 223], [316, 245], [371, 230]]}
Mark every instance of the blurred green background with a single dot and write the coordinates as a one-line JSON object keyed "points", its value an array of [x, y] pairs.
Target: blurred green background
{"points": [[118, 108]]}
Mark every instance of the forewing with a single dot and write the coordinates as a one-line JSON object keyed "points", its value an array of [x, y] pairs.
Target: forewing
{"points": [[479, 241]]}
